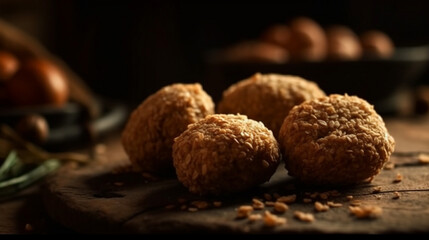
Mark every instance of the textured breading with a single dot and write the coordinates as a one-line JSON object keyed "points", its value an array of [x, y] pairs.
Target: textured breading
{"points": [[335, 140], [268, 97], [150, 131], [225, 153]]}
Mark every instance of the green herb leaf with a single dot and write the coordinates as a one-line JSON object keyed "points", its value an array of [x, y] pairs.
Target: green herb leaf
{"points": [[16, 184], [6, 167]]}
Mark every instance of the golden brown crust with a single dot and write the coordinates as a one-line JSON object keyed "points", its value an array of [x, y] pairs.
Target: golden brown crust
{"points": [[225, 153], [268, 97], [150, 131], [335, 140]]}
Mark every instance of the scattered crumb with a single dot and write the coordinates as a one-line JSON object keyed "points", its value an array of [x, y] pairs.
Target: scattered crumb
{"points": [[305, 217], [423, 158], [118, 184], [334, 205], [314, 195], [319, 207], [149, 176], [183, 207], [244, 211], [349, 197], [254, 217], [100, 148], [217, 203], [269, 203], [307, 200], [257, 204], [271, 220], [376, 189], [75, 165], [378, 197], [307, 194], [324, 195], [268, 197], [287, 199], [200, 204], [398, 178], [170, 207], [29, 227], [366, 211], [396, 195], [276, 195], [334, 193], [280, 207], [356, 203], [389, 166], [182, 200], [123, 169], [368, 180], [192, 209]]}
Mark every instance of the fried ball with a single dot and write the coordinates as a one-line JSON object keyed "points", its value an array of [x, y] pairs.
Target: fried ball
{"points": [[343, 44], [334, 140], [255, 52], [278, 34], [268, 97], [225, 153], [377, 44], [149, 134], [307, 40]]}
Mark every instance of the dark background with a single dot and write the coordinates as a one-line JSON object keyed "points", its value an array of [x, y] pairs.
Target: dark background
{"points": [[129, 49]]}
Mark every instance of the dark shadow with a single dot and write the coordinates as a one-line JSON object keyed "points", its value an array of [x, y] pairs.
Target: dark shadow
{"points": [[30, 215]]}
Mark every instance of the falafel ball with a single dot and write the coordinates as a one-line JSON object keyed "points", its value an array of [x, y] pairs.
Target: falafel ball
{"points": [[334, 140], [255, 52], [278, 34], [307, 40], [268, 97], [225, 153], [377, 44], [149, 134], [343, 43]]}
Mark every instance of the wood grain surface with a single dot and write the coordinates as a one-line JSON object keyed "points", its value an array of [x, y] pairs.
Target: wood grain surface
{"points": [[92, 199]]}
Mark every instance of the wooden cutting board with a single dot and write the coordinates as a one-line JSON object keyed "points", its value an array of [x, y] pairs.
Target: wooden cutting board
{"points": [[92, 199]]}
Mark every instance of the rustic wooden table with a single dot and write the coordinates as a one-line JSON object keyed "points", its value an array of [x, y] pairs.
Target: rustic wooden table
{"points": [[92, 199]]}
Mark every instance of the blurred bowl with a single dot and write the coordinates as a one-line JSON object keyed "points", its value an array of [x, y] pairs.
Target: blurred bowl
{"points": [[69, 125], [376, 80]]}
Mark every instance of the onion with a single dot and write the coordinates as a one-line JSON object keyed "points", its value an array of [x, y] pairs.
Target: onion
{"points": [[38, 82]]}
